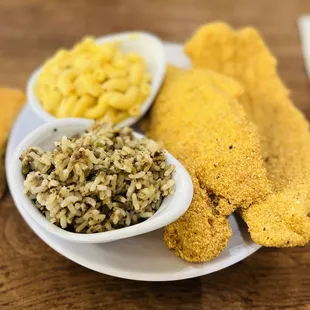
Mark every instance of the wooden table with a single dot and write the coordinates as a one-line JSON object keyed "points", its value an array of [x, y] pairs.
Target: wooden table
{"points": [[33, 276]]}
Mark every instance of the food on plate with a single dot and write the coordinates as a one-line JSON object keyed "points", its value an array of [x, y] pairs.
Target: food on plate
{"points": [[11, 101], [229, 121], [198, 118], [95, 81], [104, 179], [282, 219]]}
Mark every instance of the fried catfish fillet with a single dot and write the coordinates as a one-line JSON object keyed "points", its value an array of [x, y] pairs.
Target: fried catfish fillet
{"points": [[282, 220], [11, 101], [199, 120]]}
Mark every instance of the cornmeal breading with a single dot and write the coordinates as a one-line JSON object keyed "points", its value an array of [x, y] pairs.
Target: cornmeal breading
{"points": [[198, 118], [283, 218], [11, 101]]}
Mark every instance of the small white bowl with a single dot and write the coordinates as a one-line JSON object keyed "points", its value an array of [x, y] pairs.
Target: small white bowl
{"points": [[148, 46], [172, 207]]}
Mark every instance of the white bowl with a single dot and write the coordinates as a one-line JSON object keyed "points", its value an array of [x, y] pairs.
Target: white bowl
{"points": [[148, 46], [172, 207]]}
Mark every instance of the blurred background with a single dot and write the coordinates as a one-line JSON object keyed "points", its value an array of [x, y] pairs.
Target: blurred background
{"points": [[31, 30]]}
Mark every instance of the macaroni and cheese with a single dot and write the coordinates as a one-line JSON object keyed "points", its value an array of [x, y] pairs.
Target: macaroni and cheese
{"points": [[95, 81]]}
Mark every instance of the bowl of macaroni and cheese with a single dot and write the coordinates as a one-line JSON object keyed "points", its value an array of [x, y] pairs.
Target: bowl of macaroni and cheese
{"points": [[113, 78]]}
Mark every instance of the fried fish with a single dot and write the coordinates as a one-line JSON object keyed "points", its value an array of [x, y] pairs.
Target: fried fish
{"points": [[199, 120], [11, 101], [282, 219]]}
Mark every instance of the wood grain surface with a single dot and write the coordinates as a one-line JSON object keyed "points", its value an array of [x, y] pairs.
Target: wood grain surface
{"points": [[33, 276]]}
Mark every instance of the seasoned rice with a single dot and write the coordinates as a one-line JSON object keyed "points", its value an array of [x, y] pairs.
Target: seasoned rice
{"points": [[102, 180]]}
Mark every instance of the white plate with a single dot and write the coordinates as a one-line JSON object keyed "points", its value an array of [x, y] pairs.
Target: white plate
{"points": [[143, 257]]}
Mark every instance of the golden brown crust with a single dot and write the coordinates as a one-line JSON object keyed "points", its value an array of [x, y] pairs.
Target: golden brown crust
{"points": [[2, 172], [199, 120], [282, 219], [199, 235], [11, 101]]}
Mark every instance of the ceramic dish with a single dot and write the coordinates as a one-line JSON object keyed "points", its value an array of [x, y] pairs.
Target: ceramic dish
{"points": [[142, 43], [144, 257], [171, 208]]}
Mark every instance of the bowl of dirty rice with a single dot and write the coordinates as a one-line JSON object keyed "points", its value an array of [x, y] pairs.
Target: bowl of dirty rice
{"points": [[95, 182]]}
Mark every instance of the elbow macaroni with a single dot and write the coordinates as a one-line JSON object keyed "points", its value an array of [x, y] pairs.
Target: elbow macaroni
{"points": [[94, 81]]}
